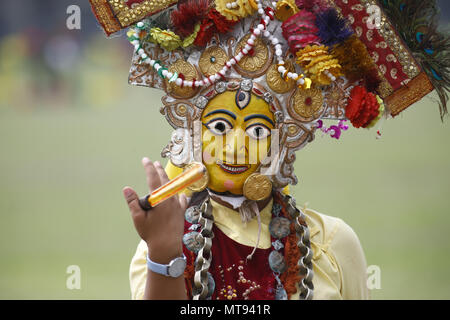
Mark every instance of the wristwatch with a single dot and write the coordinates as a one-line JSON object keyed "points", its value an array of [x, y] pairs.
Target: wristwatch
{"points": [[174, 269]]}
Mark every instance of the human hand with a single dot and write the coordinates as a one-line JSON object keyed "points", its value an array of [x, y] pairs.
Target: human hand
{"points": [[162, 227]]}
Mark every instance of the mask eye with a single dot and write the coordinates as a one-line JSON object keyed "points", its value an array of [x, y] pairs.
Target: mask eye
{"points": [[258, 131], [219, 126]]}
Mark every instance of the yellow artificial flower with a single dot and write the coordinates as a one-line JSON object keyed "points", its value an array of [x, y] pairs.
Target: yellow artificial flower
{"points": [[189, 40], [316, 60], [165, 38], [229, 14], [380, 114], [305, 55]]}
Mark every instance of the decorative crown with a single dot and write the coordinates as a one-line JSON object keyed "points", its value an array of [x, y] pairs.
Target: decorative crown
{"points": [[309, 60]]}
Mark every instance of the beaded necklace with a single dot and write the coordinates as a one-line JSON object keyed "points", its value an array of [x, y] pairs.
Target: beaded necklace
{"points": [[287, 225], [267, 14]]}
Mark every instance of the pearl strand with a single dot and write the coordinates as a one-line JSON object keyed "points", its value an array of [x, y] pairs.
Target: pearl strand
{"points": [[164, 73], [261, 29], [285, 74], [232, 5]]}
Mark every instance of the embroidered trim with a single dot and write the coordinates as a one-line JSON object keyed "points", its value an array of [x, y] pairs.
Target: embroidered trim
{"points": [[127, 16], [105, 16], [412, 92], [115, 15], [395, 43]]}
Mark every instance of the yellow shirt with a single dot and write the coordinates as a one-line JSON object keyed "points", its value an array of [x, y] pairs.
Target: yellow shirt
{"points": [[339, 264]]}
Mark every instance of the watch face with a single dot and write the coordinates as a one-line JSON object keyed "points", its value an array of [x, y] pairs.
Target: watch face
{"points": [[177, 267]]}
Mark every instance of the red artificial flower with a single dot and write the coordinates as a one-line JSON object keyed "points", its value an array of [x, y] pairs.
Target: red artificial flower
{"points": [[223, 25], [188, 14], [207, 30], [362, 107]]}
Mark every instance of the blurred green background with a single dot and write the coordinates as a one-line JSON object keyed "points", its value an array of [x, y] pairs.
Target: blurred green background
{"points": [[73, 132]]}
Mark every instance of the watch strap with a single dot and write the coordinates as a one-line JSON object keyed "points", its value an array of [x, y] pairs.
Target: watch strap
{"points": [[161, 268]]}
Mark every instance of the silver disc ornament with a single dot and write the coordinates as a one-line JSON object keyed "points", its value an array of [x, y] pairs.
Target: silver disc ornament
{"points": [[279, 227], [192, 214], [193, 241], [280, 292], [277, 262], [211, 287]]}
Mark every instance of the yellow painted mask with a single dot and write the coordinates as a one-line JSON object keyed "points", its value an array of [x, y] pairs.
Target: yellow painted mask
{"points": [[236, 136]]}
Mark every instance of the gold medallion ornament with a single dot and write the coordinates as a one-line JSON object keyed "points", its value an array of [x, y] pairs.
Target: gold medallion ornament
{"points": [[189, 73], [306, 105], [276, 82], [181, 110], [257, 187], [293, 130], [257, 61], [212, 60]]}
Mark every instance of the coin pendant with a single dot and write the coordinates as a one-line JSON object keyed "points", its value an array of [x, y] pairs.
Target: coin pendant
{"points": [[277, 262], [257, 187], [192, 214], [193, 241], [279, 227], [280, 293]]}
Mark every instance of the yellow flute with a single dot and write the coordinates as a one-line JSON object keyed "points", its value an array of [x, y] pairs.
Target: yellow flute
{"points": [[194, 177]]}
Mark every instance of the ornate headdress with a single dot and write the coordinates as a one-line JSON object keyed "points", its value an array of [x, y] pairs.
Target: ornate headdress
{"points": [[310, 60]]}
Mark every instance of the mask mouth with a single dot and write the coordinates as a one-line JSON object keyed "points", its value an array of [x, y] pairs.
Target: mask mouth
{"points": [[233, 169]]}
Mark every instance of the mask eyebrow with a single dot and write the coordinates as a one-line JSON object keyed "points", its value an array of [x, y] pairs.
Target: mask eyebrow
{"points": [[260, 116], [215, 119], [231, 114]]}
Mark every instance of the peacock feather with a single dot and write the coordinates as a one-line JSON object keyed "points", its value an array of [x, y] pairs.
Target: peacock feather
{"points": [[417, 23]]}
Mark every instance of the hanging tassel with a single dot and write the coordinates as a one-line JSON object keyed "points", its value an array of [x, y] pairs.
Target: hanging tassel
{"points": [[188, 14], [332, 28], [353, 58]]}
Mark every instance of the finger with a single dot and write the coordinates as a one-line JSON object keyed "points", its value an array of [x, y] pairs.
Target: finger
{"points": [[161, 172], [137, 214], [183, 201], [153, 181], [133, 202]]}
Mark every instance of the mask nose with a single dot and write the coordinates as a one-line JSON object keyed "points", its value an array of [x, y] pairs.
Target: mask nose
{"points": [[235, 151]]}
